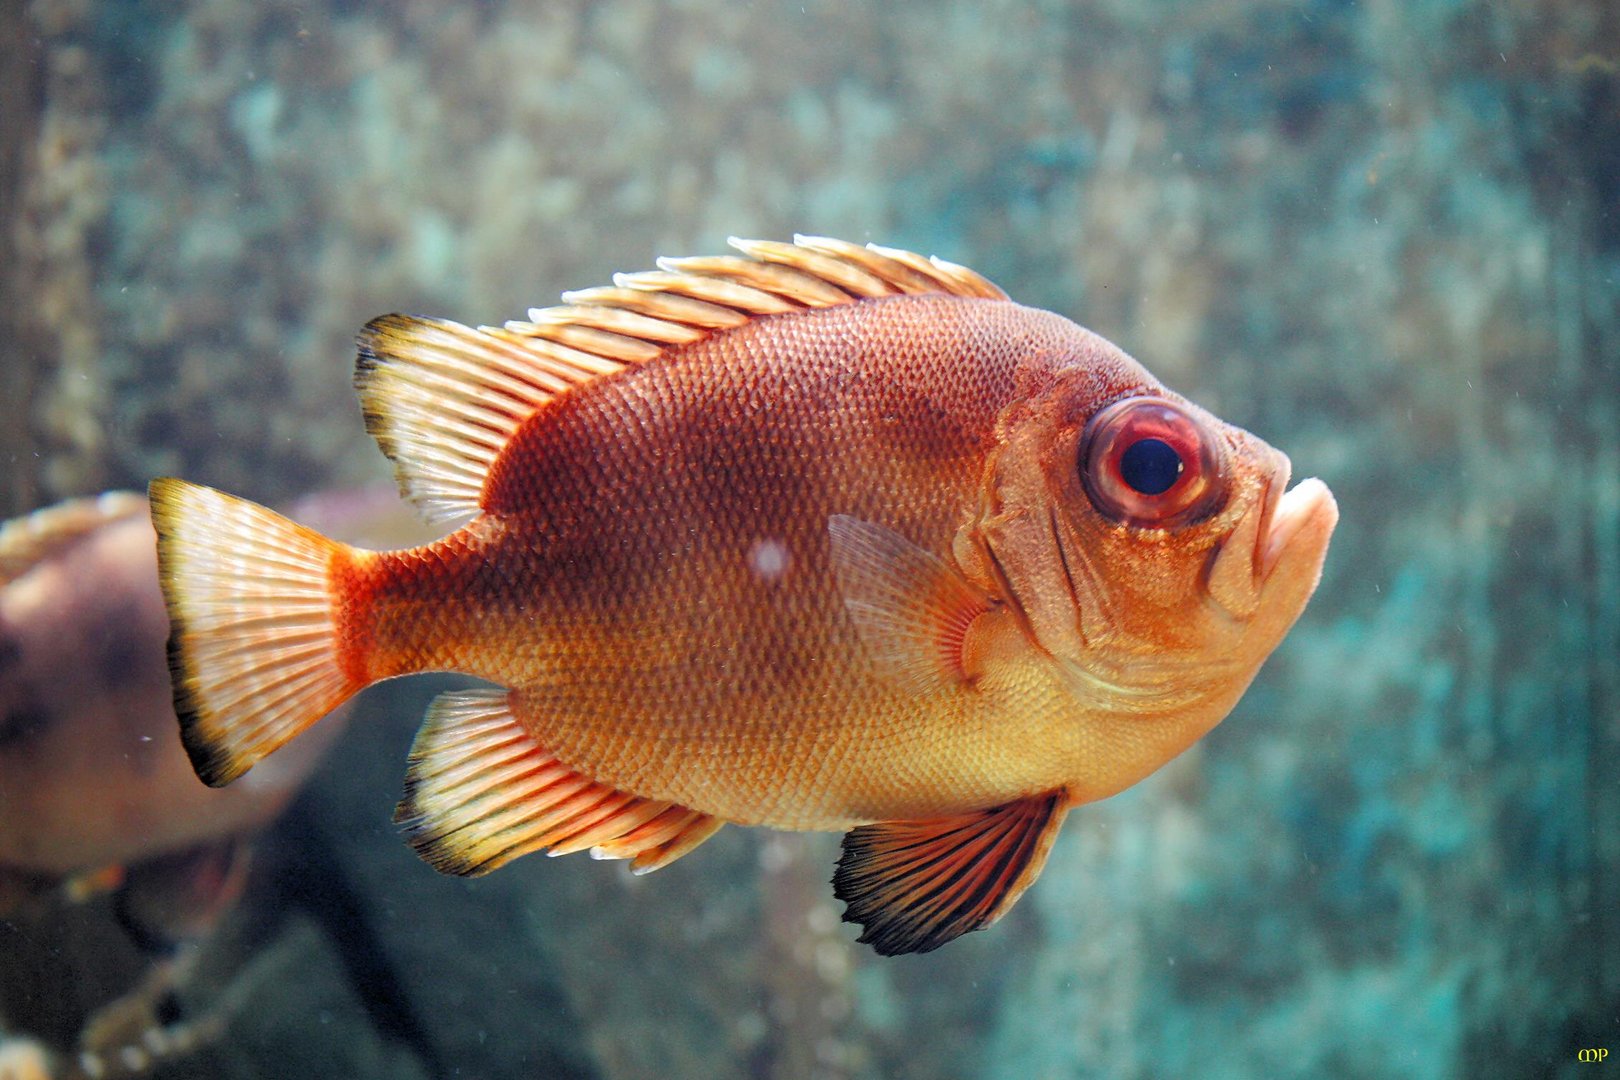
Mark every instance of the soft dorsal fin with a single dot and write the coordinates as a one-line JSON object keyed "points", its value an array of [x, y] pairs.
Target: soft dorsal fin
{"points": [[914, 885], [443, 399], [480, 792]]}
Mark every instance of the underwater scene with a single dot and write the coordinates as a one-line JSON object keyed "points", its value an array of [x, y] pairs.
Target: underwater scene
{"points": [[1229, 688]]}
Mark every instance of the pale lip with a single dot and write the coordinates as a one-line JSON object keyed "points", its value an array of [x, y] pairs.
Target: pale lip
{"points": [[1307, 503]]}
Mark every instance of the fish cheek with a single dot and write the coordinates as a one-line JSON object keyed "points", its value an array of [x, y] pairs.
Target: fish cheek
{"points": [[1025, 518], [1128, 586]]}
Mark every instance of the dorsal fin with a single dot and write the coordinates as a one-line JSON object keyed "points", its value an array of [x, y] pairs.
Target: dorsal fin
{"points": [[443, 399]]}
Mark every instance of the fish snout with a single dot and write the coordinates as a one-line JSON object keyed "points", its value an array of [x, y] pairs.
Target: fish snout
{"points": [[1297, 530], [1276, 488]]}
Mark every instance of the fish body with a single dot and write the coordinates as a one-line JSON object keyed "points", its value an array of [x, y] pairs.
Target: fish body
{"points": [[686, 639], [827, 538]]}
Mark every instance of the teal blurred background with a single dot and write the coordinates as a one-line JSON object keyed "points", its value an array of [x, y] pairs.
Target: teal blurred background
{"points": [[1384, 236]]}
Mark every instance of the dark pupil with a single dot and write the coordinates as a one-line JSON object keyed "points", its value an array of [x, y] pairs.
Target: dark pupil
{"points": [[1150, 466]]}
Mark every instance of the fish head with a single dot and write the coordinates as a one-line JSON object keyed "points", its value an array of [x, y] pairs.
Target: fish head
{"points": [[1154, 554]]}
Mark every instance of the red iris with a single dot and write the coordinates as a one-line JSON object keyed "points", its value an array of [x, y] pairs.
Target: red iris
{"points": [[1147, 462]]}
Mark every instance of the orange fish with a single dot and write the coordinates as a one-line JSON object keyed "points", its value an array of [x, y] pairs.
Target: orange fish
{"points": [[818, 537]]}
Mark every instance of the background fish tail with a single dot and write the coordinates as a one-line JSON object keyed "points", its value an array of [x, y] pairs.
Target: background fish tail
{"points": [[255, 648]]}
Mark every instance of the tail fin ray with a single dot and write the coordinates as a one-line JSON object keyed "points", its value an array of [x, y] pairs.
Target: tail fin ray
{"points": [[254, 645]]}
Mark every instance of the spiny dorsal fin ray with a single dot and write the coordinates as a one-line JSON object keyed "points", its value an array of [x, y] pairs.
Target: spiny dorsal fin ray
{"points": [[443, 399]]}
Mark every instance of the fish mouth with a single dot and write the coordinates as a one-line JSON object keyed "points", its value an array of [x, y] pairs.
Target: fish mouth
{"points": [[1289, 514]]}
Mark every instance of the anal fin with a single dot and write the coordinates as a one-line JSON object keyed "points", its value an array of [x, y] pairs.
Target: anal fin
{"points": [[914, 885], [480, 792]]}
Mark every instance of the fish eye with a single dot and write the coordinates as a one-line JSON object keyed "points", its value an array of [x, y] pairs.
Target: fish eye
{"points": [[1147, 462]]}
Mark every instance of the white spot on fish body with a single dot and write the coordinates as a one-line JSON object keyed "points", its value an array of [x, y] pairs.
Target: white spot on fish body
{"points": [[768, 560]]}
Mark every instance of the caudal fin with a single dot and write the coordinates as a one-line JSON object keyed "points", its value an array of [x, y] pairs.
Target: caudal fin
{"points": [[253, 645]]}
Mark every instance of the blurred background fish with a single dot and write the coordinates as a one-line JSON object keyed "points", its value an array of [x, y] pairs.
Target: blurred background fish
{"points": [[90, 783], [96, 794]]}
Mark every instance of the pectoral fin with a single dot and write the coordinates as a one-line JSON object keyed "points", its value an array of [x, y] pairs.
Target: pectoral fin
{"points": [[481, 791], [914, 885], [912, 609]]}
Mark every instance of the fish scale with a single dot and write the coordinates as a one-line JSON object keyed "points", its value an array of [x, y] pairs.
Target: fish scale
{"points": [[823, 537]]}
